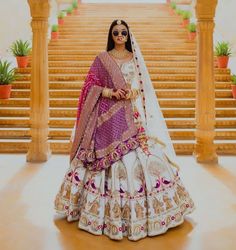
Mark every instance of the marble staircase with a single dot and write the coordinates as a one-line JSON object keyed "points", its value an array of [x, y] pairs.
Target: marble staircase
{"points": [[171, 61]]}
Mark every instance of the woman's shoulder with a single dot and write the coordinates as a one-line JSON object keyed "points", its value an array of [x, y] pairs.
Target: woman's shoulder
{"points": [[101, 53]]}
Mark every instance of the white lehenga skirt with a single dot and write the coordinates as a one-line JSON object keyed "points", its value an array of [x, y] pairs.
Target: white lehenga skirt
{"points": [[137, 196]]}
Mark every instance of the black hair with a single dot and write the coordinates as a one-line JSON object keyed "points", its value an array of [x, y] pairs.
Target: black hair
{"points": [[111, 43]]}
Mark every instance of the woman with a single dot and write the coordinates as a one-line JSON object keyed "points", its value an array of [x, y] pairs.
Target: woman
{"points": [[122, 180]]}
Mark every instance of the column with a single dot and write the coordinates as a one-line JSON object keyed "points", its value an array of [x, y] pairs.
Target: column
{"points": [[39, 148], [205, 150]]}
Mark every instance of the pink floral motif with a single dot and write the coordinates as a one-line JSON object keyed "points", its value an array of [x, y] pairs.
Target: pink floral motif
{"points": [[136, 114], [141, 130]]}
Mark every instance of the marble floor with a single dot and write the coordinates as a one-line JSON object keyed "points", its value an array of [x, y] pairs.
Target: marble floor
{"points": [[28, 220]]}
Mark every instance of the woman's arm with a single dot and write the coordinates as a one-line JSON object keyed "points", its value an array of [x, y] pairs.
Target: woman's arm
{"points": [[118, 94]]}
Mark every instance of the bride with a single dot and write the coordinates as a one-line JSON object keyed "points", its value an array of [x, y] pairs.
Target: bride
{"points": [[123, 179]]}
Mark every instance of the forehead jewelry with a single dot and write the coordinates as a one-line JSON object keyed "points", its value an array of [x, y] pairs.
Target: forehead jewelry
{"points": [[118, 22]]}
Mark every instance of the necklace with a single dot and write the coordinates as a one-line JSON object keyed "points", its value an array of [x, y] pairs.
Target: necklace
{"points": [[119, 54]]}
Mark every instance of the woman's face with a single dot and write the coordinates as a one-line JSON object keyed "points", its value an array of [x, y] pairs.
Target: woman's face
{"points": [[119, 34]]}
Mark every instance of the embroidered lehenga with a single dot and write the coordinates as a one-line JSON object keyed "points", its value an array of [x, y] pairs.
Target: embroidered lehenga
{"points": [[122, 179]]}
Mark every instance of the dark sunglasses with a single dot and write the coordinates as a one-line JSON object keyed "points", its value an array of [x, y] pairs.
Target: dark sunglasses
{"points": [[123, 33]]}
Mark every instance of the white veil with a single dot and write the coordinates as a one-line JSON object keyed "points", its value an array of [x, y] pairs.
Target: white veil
{"points": [[155, 122]]}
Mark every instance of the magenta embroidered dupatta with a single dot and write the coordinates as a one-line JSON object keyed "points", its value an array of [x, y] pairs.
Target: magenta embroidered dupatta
{"points": [[105, 129]]}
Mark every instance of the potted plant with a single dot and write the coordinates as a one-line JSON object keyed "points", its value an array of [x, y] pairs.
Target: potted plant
{"points": [[233, 85], [186, 16], [60, 18], [7, 76], [179, 12], [172, 8], [21, 50], [69, 11], [191, 31], [222, 51], [75, 7], [54, 32]]}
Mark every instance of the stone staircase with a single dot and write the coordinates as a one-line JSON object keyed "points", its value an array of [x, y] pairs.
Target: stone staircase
{"points": [[171, 61]]}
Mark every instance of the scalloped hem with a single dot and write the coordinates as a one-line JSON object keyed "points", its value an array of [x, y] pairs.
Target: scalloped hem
{"points": [[143, 234]]}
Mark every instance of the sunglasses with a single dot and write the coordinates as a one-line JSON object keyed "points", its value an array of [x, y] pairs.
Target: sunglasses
{"points": [[123, 33]]}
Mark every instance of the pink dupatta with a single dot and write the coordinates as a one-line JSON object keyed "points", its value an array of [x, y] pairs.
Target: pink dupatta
{"points": [[105, 130]]}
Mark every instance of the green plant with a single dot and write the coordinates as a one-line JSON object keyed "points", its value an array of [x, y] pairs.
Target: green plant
{"points": [[173, 5], [192, 27], [75, 4], [60, 15], [179, 11], [7, 75], [223, 49], [69, 10], [233, 79], [186, 14], [20, 48], [54, 28]]}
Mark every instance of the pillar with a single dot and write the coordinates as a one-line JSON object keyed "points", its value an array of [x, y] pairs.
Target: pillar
{"points": [[205, 150], [39, 149]]}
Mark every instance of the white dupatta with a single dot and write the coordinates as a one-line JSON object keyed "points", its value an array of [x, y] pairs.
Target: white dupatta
{"points": [[154, 120]]}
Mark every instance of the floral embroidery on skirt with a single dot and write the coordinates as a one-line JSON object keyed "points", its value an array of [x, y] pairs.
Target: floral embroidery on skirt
{"points": [[136, 197]]}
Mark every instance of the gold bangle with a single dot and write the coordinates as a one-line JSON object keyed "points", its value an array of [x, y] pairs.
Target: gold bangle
{"points": [[106, 92], [132, 94]]}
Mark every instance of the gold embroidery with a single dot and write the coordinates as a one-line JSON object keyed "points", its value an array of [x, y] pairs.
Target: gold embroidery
{"points": [[106, 116], [167, 202], [176, 199], [126, 212], [107, 209], [94, 207], [158, 206], [139, 210], [181, 192], [116, 210], [75, 197]]}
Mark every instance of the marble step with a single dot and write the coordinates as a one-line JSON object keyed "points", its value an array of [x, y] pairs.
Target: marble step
{"points": [[152, 70], [73, 102], [178, 123], [178, 85], [156, 51], [99, 44], [71, 112], [154, 77], [157, 58], [65, 133], [149, 64], [171, 93], [63, 147]]}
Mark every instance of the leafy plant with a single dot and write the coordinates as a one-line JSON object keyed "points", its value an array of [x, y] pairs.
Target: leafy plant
{"points": [[7, 75], [192, 27], [75, 4], [20, 48], [54, 28], [60, 15], [186, 14], [223, 49], [179, 11], [173, 5], [69, 10], [233, 78]]}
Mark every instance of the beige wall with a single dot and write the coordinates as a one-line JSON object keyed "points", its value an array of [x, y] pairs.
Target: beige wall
{"points": [[225, 28], [15, 24]]}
